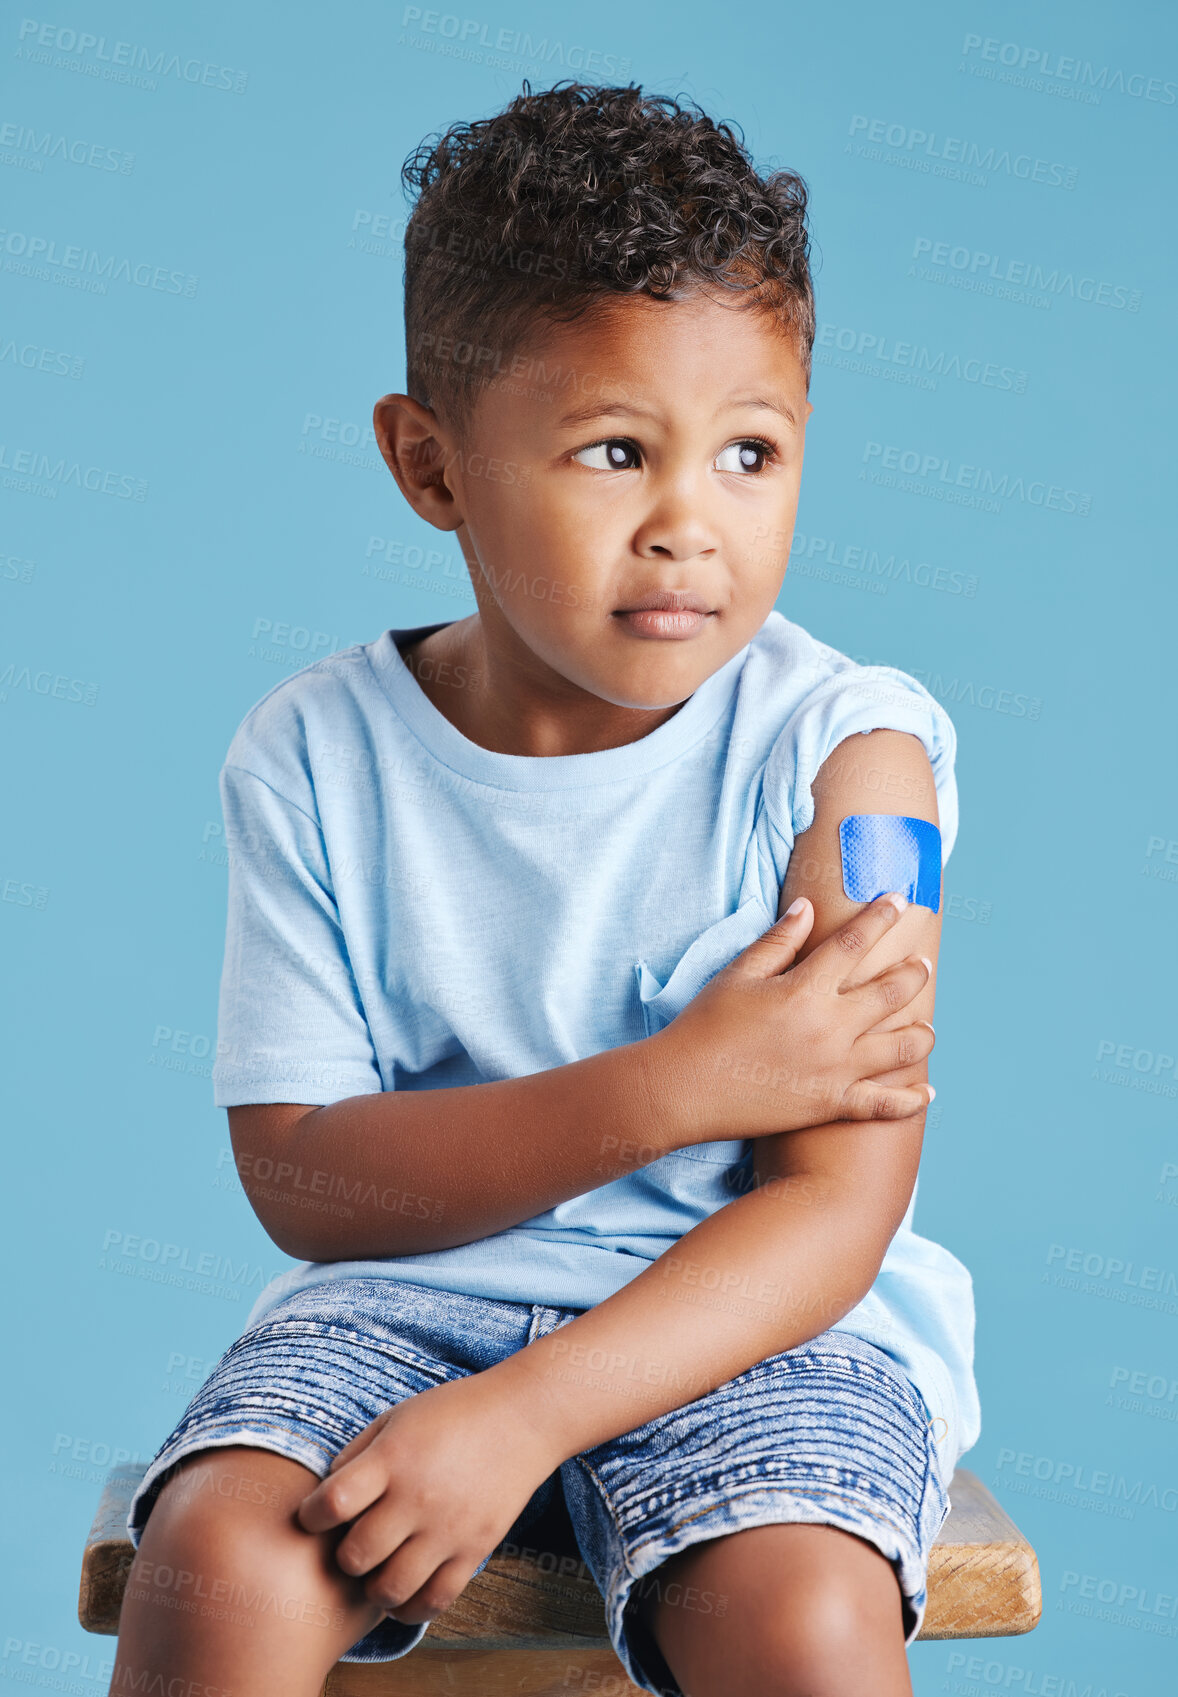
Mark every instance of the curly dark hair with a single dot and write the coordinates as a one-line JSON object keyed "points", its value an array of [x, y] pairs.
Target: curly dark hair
{"points": [[575, 193]]}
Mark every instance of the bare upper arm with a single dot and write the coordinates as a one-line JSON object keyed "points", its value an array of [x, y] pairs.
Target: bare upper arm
{"points": [[881, 771]]}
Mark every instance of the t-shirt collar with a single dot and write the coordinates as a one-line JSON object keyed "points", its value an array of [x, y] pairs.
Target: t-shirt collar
{"points": [[698, 714]]}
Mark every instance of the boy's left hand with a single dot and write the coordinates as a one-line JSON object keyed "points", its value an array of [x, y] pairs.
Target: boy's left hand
{"points": [[432, 1486]]}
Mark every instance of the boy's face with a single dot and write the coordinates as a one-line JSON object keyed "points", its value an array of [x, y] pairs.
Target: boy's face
{"points": [[651, 448]]}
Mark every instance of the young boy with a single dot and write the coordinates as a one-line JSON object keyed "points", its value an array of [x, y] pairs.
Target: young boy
{"points": [[572, 1028]]}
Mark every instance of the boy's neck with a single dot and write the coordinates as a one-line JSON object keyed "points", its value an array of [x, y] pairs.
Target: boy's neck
{"points": [[502, 697]]}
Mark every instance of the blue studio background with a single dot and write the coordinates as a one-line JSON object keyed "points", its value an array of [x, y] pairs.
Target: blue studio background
{"points": [[194, 508]]}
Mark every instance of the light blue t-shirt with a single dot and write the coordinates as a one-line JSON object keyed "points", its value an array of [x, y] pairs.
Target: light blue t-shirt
{"points": [[409, 910]]}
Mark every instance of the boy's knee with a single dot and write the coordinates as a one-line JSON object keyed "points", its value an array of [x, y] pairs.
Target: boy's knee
{"points": [[794, 1593], [841, 1591], [224, 1535], [233, 1484], [222, 1553]]}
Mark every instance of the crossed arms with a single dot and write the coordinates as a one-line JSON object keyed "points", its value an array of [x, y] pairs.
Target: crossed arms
{"points": [[790, 1257]]}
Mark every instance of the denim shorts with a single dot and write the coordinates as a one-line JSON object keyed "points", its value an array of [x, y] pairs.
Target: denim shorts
{"points": [[831, 1432]]}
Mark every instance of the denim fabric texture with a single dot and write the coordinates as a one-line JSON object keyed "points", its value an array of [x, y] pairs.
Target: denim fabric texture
{"points": [[830, 1432]]}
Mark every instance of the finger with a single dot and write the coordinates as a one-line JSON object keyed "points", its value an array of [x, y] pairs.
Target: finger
{"points": [[408, 1572], [845, 948], [777, 948], [889, 990], [358, 1444], [342, 1496], [883, 1051], [871, 1101], [443, 1588], [375, 1537]]}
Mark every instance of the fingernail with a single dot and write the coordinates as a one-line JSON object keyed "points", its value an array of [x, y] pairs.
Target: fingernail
{"points": [[928, 963], [931, 1093], [795, 907], [898, 901], [930, 1025]]}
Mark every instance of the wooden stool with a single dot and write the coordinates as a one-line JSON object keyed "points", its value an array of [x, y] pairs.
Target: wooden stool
{"points": [[530, 1629]]}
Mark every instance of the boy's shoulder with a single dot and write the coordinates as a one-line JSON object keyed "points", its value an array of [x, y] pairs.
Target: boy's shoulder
{"points": [[299, 720], [800, 697], [790, 672]]}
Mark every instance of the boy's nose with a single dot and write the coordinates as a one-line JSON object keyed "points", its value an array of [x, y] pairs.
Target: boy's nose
{"points": [[676, 530]]}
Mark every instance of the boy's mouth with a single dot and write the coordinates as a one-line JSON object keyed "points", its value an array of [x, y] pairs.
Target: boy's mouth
{"points": [[665, 613]]}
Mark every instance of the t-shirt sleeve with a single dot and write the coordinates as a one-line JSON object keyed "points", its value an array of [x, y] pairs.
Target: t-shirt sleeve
{"points": [[856, 699], [290, 1025]]}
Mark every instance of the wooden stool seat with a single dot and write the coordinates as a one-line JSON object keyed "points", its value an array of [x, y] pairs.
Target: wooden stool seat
{"points": [[533, 1622]]}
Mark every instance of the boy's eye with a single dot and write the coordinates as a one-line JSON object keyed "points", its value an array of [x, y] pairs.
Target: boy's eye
{"points": [[750, 455], [616, 454]]}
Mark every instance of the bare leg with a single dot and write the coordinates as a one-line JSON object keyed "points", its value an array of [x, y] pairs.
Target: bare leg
{"points": [[807, 1611], [229, 1591]]}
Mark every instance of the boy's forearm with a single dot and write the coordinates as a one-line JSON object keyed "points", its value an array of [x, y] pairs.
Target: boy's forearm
{"points": [[765, 1273], [405, 1172]]}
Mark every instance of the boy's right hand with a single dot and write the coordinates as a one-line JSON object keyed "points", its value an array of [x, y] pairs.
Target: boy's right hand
{"points": [[767, 1046]]}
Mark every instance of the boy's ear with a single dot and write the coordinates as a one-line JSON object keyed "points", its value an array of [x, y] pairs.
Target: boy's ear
{"points": [[414, 445]]}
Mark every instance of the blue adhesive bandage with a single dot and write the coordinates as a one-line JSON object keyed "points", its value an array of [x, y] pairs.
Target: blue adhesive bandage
{"points": [[882, 852]]}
